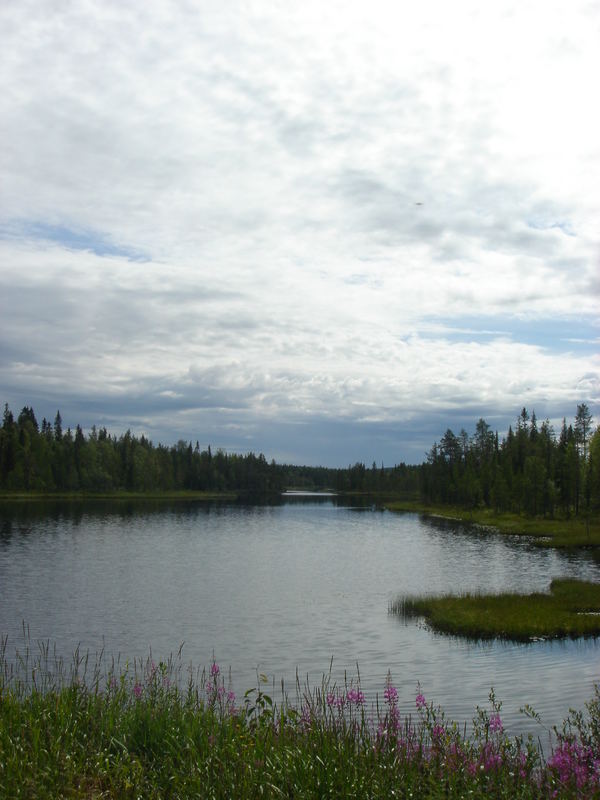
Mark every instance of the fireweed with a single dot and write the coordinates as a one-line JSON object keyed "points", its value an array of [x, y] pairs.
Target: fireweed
{"points": [[158, 730]]}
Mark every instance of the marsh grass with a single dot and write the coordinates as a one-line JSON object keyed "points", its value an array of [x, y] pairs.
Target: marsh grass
{"points": [[571, 608], [96, 729], [568, 533]]}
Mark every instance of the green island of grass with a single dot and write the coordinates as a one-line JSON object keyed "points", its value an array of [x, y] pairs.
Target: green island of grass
{"points": [[571, 609], [562, 532]]}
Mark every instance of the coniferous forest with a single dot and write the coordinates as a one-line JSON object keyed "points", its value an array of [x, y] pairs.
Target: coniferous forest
{"points": [[533, 469]]}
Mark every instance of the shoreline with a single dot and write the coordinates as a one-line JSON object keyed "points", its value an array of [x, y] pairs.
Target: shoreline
{"points": [[563, 533], [86, 496]]}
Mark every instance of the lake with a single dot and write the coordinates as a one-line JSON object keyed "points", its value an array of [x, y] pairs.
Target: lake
{"points": [[292, 586]]}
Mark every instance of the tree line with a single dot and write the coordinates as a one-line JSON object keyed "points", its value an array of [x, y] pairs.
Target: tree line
{"points": [[531, 470], [47, 458]]}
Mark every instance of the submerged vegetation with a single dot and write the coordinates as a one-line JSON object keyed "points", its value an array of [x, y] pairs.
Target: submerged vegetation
{"points": [[154, 731], [570, 609]]}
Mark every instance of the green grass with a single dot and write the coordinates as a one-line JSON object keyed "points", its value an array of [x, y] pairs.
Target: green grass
{"points": [[566, 533], [154, 731], [570, 609]]}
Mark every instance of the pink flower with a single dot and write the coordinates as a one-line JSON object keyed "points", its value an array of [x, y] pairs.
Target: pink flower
{"points": [[355, 696], [496, 725], [214, 670], [390, 694], [137, 690], [420, 701], [438, 731]]}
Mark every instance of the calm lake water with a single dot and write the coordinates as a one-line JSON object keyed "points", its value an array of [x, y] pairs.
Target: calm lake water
{"points": [[279, 588]]}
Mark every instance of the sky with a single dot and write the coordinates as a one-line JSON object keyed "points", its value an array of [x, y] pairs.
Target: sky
{"points": [[322, 231]]}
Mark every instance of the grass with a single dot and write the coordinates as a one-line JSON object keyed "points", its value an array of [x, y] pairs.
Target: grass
{"points": [[570, 609], [158, 731], [565, 532]]}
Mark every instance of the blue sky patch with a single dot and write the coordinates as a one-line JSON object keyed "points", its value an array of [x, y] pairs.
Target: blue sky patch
{"points": [[569, 334], [91, 241]]}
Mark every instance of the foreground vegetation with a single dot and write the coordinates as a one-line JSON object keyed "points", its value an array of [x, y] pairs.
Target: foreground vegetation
{"points": [[570, 609], [148, 731]]}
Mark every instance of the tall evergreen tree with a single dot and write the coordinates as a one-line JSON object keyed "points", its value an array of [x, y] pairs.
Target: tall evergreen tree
{"points": [[583, 426], [58, 427]]}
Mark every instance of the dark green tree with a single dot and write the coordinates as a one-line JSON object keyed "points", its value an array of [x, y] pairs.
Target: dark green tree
{"points": [[583, 426]]}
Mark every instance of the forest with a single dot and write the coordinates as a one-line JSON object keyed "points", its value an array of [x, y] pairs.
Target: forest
{"points": [[532, 470]]}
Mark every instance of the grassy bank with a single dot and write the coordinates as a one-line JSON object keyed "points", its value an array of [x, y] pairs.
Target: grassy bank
{"points": [[571, 532], [145, 732], [570, 609]]}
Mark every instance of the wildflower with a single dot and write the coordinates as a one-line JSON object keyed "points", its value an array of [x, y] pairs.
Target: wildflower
{"points": [[420, 701], [573, 761], [137, 690], [490, 759], [215, 669], [355, 696], [330, 699], [496, 725], [390, 694], [438, 731], [231, 697], [522, 764]]}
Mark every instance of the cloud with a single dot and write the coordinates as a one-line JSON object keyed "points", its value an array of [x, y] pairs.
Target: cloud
{"points": [[287, 214]]}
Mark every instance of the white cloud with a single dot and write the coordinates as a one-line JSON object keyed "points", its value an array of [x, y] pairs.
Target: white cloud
{"points": [[266, 161]]}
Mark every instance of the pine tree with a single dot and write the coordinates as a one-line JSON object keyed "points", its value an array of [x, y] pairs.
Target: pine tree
{"points": [[583, 424], [58, 427]]}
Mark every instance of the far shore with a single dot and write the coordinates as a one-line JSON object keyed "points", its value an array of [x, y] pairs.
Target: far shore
{"points": [[573, 532], [175, 495]]}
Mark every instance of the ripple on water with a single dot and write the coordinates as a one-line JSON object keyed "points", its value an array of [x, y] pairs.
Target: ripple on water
{"points": [[288, 587]]}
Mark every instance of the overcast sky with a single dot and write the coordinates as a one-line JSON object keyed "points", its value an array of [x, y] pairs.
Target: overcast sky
{"points": [[326, 231]]}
